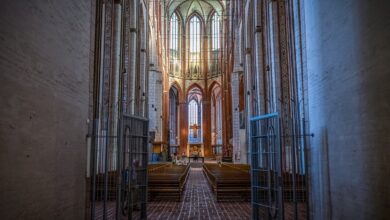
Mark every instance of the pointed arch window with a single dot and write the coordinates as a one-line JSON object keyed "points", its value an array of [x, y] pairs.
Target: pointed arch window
{"points": [[216, 116], [174, 46], [195, 131], [193, 112], [194, 69], [214, 65], [173, 116]]}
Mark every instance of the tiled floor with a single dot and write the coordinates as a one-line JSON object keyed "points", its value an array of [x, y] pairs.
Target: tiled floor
{"points": [[198, 203]]}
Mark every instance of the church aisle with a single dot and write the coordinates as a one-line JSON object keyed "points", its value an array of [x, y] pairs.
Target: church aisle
{"points": [[198, 203]]}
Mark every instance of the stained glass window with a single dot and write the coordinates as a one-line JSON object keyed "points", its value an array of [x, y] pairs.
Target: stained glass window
{"points": [[194, 128], [174, 46], [194, 69], [214, 66]]}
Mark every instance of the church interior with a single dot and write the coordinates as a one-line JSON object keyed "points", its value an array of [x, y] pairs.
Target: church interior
{"points": [[195, 109]]}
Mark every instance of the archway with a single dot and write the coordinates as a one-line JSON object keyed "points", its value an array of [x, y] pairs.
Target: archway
{"points": [[173, 119], [216, 119], [195, 121]]}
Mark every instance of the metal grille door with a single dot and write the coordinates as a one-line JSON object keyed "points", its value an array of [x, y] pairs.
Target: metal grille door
{"points": [[278, 163], [118, 174], [266, 168], [134, 161]]}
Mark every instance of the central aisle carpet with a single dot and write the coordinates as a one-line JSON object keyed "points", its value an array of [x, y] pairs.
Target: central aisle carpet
{"points": [[198, 203]]}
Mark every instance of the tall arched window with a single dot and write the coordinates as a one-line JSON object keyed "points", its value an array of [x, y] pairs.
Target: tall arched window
{"points": [[173, 116], [194, 98], [194, 70], [194, 110], [214, 66], [215, 32], [216, 116], [174, 46]]}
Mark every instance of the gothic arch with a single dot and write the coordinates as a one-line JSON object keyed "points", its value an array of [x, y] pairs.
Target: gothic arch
{"points": [[195, 85], [212, 85], [215, 4], [181, 19], [173, 120], [215, 97], [202, 22], [176, 85]]}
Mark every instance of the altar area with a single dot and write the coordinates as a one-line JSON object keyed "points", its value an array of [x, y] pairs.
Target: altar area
{"points": [[195, 150]]}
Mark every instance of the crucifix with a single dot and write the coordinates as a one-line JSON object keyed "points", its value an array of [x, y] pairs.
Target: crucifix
{"points": [[194, 128]]}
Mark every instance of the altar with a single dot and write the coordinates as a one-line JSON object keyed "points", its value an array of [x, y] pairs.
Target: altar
{"points": [[195, 150]]}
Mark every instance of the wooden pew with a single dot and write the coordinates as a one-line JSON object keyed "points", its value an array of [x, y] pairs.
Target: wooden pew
{"points": [[227, 181], [112, 186], [287, 187], [235, 178], [168, 181]]}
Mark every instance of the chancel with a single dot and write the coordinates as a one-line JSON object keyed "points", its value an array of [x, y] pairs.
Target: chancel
{"points": [[195, 109]]}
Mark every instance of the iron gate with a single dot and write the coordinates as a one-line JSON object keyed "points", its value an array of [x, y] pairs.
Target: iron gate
{"points": [[119, 170], [266, 168], [278, 163]]}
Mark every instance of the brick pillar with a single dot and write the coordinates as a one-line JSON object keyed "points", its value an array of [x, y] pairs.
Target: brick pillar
{"points": [[206, 125]]}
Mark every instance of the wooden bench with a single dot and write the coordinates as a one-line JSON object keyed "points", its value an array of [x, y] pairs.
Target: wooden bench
{"points": [[111, 186], [227, 181], [235, 178], [168, 181], [112, 182], [287, 187]]}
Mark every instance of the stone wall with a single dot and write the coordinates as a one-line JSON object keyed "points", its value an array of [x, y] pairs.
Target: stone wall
{"points": [[155, 103], [348, 55], [44, 74]]}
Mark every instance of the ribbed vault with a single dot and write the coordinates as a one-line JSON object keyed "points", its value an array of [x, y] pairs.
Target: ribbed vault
{"points": [[202, 7]]}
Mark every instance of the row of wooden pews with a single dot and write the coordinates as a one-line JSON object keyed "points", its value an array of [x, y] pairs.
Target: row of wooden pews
{"points": [[111, 186], [290, 182], [162, 178], [228, 180], [167, 180]]}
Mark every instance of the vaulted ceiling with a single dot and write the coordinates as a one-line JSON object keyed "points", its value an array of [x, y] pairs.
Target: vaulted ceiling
{"points": [[203, 7]]}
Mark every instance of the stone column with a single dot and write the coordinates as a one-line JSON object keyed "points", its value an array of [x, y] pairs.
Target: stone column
{"points": [[133, 24], [348, 73], [235, 85], [206, 125], [155, 102]]}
